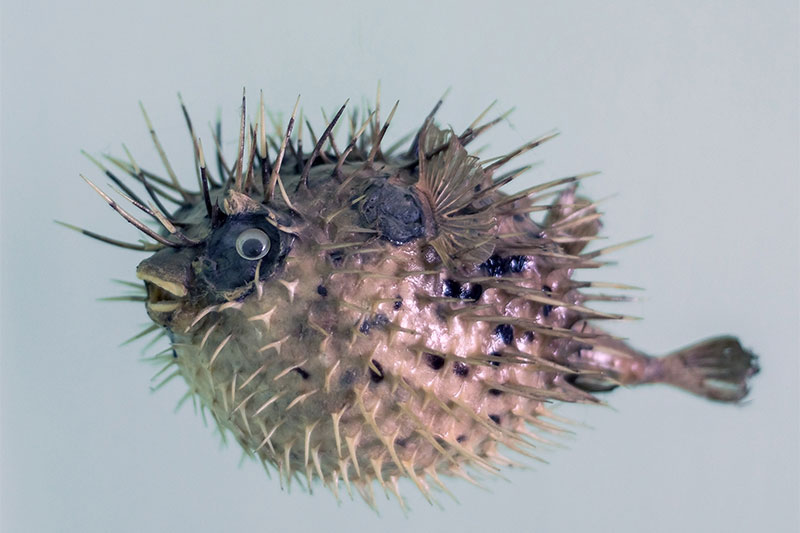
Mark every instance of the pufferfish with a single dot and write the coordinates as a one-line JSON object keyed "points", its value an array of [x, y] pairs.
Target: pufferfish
{"points": [[358, 315]]}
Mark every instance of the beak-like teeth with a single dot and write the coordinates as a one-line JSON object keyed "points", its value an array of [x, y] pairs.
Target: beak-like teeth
{"points": [[164, 307], [175, 289]]}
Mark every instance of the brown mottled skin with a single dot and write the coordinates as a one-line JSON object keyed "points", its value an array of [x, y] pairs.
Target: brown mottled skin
{"points": [[360, 359]]}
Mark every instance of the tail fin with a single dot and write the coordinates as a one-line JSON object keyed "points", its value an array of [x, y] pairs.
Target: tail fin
{"points": [[717, 369]]}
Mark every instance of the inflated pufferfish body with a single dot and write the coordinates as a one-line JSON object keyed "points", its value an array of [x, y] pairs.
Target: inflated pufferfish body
{"points": [[357, 315]]}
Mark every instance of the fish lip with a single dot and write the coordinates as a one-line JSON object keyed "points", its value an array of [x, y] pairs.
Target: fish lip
{"points": [[174, 290], [163, 296], [163, 306]]}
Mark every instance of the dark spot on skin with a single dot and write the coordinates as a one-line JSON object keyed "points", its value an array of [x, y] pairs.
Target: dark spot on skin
{"points": [[348, 377], [434, 361], [174, 353], [505, 332], [322, 291], [528, 336], [395, 211], [451, 288], [337, 256], [518, 218], [303, 373], [461, 438], [472, 291], [495, 392], [376, 377], [516, 263], [498, 266], [466, 291], [495, 354], [398, 303], [495, 418], [547, 308], [460, 369], [493, 266], [587, 384], [477, 188], [402, 442], [378, 321]]}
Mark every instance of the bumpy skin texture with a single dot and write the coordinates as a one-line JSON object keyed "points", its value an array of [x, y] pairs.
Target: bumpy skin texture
{"points": [[407, 318]]}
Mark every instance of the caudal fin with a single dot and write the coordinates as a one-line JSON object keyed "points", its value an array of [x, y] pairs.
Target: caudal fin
{"points": [[718, 369]]}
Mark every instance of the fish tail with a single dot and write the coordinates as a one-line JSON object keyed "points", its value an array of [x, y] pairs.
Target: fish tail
{"points": [[718, 369]]}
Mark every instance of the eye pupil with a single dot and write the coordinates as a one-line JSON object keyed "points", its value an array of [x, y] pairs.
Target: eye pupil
{"points": [[252, 244], [252, 247]]}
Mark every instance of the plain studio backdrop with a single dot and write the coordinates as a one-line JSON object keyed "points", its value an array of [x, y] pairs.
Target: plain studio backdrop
{"points": [[689, 109]]}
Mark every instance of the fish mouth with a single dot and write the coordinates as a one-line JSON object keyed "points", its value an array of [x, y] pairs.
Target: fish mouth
{"points": [[163, 296]]}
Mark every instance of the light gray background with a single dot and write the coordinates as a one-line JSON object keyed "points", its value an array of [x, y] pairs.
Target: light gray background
{"points": [[689, 108]]}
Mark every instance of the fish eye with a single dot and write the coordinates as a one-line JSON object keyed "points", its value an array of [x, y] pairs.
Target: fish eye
{"points": [[252, 244]]}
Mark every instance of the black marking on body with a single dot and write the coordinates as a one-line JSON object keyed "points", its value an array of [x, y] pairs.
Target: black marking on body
{"points": [[471, 291], [336, 257], [378, 321], [303, 373], [466, 291], [461, 369], [376, 377], [498, 266], [348, 377], [398, 303], [495, 419], [505, 332], [589, 384], [495, 354], [495, 392], [434, 361], [461, 438], [451, 288], [322, 291]]}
